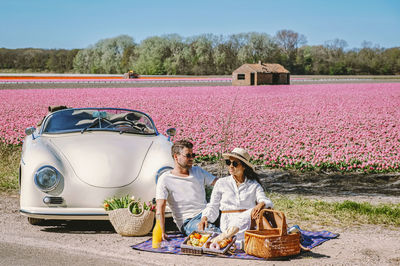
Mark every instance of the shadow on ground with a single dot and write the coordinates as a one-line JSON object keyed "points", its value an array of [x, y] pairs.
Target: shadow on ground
{"points": [[332, 184], [90, 227], [321, 183], [77, 227]]}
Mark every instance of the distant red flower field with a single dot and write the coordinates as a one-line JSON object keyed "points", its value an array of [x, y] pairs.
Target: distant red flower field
{"points": [[343, 127]]}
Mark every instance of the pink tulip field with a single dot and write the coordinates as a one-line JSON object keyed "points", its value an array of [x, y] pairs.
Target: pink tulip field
{"points": [[343, 127]]}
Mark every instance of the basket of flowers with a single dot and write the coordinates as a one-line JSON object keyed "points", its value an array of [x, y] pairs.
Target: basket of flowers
{"points": [[130, 217]]}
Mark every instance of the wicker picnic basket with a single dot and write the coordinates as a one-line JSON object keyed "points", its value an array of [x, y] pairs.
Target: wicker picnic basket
{"points": [[271, 239], [128, 224]]}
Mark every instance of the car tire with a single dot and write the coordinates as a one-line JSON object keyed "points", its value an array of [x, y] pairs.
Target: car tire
{"points": [[35, 221]]}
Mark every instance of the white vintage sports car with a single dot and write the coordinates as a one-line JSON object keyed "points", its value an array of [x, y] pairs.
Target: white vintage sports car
{"points": [[77, 158]]}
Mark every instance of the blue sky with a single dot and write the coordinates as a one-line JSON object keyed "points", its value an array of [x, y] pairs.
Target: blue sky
{"points": [[80, 23]]}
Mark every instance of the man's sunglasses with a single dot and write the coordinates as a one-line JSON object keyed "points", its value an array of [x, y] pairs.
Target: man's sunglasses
{"points": [[189, 155], [234, 163]]}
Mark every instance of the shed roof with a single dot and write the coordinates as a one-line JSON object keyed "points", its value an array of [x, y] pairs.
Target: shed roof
{"points": [[263, 68]]}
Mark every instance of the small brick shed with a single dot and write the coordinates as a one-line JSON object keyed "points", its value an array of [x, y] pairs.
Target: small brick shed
{"points": [[260, 74]]}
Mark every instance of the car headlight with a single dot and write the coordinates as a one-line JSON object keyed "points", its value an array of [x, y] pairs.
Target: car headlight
{"points": [[47, 178], [161, 171]]}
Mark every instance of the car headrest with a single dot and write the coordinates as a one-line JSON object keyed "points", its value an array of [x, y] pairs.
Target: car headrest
{"points": [[54, 108]]}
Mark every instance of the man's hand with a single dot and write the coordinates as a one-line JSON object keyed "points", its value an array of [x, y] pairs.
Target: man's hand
{"points": [[165, 237], [203, 223], [160, 214]]}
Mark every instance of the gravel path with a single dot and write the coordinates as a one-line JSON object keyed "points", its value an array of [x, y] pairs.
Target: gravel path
{"points": [[181, 83], [105, 84], [87, 243]]}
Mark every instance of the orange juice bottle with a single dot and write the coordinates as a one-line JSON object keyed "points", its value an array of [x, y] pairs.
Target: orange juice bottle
{"points": [[157, 233]]}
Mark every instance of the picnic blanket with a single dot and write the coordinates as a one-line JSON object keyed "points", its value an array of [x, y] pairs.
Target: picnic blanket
{"points": [[309, 240]]}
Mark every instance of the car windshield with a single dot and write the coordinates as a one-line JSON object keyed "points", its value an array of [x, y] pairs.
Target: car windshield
{"points": [[121, 120]]}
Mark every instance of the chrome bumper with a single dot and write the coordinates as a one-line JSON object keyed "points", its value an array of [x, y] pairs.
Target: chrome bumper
{"points": [[65, 214], [70, 213]]}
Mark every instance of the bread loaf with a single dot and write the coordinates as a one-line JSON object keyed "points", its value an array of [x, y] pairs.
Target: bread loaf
{"points": [[226, 235]]}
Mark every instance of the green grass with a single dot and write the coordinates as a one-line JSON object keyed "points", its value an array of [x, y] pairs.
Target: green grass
{"points": [[347, 213], [9, 165]]}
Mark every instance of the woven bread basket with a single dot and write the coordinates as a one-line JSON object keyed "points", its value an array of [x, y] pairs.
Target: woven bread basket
{"points": [[272, 241], [128, 224]]}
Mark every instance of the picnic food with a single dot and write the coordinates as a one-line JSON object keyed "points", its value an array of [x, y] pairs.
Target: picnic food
{"points": [[226, 235], [197, 239], [225, 242], [221, 244], [223, 239]]}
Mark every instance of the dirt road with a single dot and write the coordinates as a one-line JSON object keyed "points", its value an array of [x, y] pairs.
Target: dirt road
{"points": [[90, 243], [296, 80]]}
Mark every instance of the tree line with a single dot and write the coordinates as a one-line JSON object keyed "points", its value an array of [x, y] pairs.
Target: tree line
{"points": [[208, 54], [37, 60]]}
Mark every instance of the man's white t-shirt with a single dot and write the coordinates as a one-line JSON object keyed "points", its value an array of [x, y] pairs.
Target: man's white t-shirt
{"points": [[185, 196]]}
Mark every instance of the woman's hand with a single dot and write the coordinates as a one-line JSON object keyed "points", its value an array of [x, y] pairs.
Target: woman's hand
{"points": [[203, 224], [256, 210]]}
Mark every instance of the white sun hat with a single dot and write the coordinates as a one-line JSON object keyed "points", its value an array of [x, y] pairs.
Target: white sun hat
{"points": [[240, 154]]}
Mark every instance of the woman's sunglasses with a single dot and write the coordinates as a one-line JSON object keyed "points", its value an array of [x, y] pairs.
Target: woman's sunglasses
{"points": [[234, 163]]}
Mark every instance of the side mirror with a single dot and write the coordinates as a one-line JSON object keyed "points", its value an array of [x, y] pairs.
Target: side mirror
{"points": [[29, 130], [171, 132]]}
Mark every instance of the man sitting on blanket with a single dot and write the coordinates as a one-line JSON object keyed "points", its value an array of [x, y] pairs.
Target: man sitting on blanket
{"points": [[184, 189]]}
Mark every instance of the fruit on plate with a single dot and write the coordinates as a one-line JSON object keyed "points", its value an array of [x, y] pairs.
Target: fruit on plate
{"points": [[197, 240]]}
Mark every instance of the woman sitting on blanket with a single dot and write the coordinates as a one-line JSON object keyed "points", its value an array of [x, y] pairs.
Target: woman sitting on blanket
{"points": [[240, 196]]}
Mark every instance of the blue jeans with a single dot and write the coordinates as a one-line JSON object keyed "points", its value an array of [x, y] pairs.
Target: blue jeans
{"points": [[190, 225]]}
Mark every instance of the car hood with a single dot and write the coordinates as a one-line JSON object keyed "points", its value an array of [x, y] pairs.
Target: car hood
{"points": [[104, 159]]}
